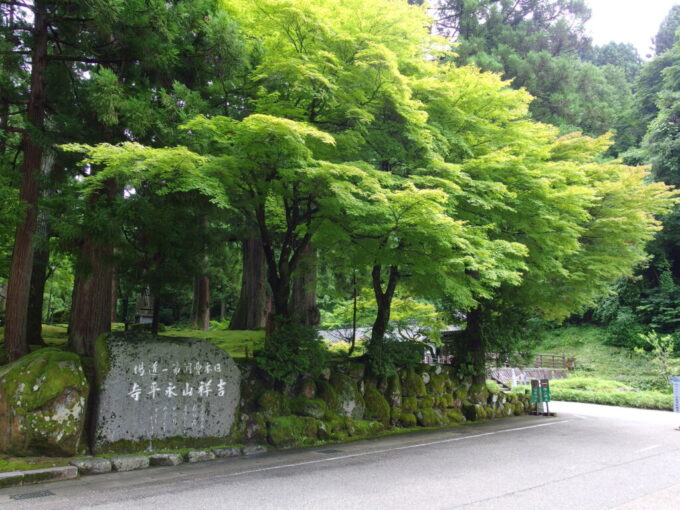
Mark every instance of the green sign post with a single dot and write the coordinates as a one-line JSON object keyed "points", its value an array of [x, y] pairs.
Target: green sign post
{"points": [[540, 392]]}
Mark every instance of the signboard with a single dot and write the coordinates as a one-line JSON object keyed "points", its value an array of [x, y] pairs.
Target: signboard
{"points": [[676, 394], [540, 391], [545, 390]]}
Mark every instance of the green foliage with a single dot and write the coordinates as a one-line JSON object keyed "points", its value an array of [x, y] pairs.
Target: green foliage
{"points": [[659, 350], [384, 358], [292, 351]]}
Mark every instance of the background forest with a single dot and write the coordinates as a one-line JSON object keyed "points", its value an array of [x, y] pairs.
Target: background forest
{"points": [[286, 165]]}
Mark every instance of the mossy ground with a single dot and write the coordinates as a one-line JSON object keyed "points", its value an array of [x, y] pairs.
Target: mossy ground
{"points": [[8, 463]]}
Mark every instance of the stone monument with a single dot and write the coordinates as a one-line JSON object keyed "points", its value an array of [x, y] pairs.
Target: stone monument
{"points": [[157, 392]]}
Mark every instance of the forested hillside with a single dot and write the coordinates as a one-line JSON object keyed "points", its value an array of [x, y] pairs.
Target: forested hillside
{"points": [[288, 165]]}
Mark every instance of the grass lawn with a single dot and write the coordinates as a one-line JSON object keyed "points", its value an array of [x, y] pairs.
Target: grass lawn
{"points": [[236, 343]]}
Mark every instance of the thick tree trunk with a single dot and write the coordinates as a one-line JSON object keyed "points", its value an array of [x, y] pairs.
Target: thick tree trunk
{"points": [[254, 301], [18, 288], [41, 260], [91, 308], [474, 349], [303, 298], [384, 302]]}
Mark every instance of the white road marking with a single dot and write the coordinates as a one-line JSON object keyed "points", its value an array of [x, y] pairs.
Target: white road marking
{"points": [[396, 448], [648, 448]]}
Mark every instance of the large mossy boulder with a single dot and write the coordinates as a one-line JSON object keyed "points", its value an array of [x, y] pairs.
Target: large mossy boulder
{"points": [[377, 407], [43, 402], [162, 392], [349, 400]]}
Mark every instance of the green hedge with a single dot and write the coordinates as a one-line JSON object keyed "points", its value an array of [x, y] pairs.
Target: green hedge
{"points": [[641, 399]]}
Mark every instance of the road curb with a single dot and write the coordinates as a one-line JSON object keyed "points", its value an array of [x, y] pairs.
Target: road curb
{"points": [[33, 476]]}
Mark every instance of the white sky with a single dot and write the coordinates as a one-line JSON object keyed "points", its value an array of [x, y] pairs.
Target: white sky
{"points": [[630, 21]]}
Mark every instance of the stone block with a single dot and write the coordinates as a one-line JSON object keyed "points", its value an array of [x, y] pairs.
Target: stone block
{"points": [[199, 456], [253, 450], [49, 474], [223, 453], [92, 465], [129, 462], [166, 459]]}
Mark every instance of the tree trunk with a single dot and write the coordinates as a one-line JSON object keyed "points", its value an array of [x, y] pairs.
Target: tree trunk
{"points": [[203, 318], [41, 260], [193, 318], [384, 302], [303, 298], [18, 288], [223, 309], [91, 308], [473, 348], [114, 295], [253, 303]]}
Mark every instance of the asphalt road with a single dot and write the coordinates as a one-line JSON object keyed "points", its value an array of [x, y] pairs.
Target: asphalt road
{"points": [[587, 457]]}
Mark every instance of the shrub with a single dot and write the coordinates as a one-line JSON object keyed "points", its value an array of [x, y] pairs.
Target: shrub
{"points": [[293, 350], [625, 330]]}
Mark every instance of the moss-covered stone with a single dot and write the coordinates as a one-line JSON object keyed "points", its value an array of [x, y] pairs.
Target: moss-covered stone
{"points": [[461, 393], [314, 407], [43, 400], [469, 411], [306, 388], [377, 407], [413, 385], [286, 431], [455, 416], [409, 404], [350, 401], [327, 393], [448, 400], [518, 408], [270, 403], [438, 384], [356, 371], [425, 402], [429, 417], [367, 427], [479, 393], [393, 390], [408, 420], [395, 414]]}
